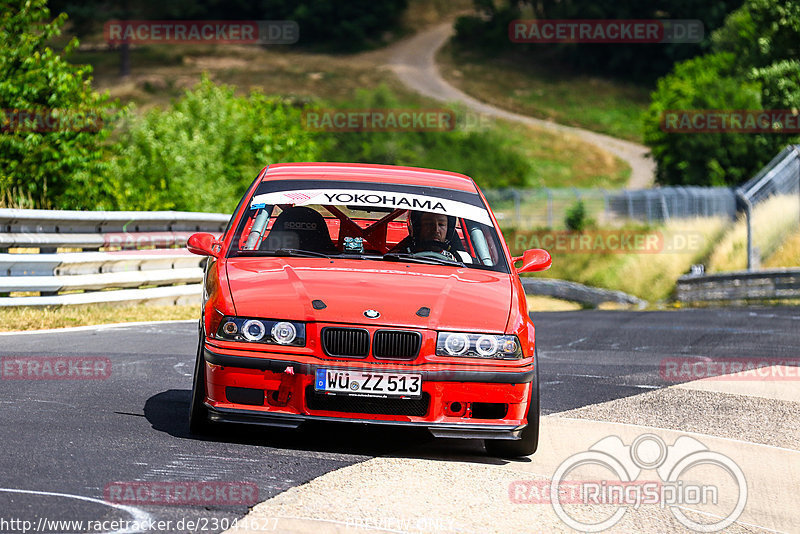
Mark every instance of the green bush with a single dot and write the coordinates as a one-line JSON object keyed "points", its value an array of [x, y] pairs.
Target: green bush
{"points": [[41, 168], [754, 68], [576, 219], [488, 31], [344, 25], [485, 154], [203, 152]]}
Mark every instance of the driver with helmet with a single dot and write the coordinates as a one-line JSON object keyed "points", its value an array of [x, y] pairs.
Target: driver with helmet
{"points": [[429, 232]]}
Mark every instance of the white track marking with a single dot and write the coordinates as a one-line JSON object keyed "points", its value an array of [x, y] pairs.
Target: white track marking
{"points": [[139, 516], [178, 367]]}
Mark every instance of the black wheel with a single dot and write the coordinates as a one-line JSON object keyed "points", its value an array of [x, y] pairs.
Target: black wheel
{"points": [[529, 440], [198, 413]]}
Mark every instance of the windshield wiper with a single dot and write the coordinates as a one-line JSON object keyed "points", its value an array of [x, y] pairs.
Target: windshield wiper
{"points": [[423, 259], [295, 252]]}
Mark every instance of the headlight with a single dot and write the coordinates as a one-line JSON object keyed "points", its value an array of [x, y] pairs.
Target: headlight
{"points": [[284, 333], [262, 331], [456, 344], [503, 347], [253, 330]]}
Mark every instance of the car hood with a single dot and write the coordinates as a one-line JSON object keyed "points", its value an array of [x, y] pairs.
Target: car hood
{"points": [[284, 288]]}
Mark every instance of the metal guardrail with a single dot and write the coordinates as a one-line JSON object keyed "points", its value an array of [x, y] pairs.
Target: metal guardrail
{"points": [[124, 251], [740, 285]]}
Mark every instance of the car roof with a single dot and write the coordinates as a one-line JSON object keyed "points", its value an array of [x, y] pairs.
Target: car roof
{"points": [[364, 172]]}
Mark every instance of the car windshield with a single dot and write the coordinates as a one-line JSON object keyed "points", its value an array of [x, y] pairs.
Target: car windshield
{"points": [[368, 221]]}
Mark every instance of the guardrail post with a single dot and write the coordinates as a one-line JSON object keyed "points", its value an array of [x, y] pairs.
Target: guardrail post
{"points": [[748, 211], [630, 204], [549, 208], [517, 209]]}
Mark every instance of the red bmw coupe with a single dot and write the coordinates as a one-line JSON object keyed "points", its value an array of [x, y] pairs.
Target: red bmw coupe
{"points": [[368, 294]]}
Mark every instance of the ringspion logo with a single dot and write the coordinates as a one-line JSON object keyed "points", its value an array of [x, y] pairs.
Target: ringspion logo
{"points": [[689, 474]]}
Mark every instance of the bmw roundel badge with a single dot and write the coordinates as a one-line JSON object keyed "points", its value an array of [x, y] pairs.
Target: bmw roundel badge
{"points": [[371, 314]]}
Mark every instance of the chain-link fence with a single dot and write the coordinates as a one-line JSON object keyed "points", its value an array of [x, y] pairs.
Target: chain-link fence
{"points": [[771, 204], [548, 207], [534, 208], [781, 176]]}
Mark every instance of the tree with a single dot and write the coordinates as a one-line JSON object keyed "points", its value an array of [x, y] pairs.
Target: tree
{"points": [[203, 152], [753, 67], [54, 124], [489, 31]]}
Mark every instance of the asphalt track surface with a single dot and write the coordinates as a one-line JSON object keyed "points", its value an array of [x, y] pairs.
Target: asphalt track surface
{"points": [[64, 441]]}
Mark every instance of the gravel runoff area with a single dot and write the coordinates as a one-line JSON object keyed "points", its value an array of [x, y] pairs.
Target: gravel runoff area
{"points": [[446, 490]]}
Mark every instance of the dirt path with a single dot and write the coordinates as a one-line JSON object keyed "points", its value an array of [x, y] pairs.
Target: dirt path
{"points": [[413, 60]]}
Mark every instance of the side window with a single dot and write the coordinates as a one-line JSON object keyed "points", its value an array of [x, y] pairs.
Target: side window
{"points": [[493, 252]]}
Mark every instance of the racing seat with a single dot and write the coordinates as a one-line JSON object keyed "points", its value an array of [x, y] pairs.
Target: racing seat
{"points": [[302, 228]]}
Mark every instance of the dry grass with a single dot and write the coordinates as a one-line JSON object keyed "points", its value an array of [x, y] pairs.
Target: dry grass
{"points": [[561, 160], [422, 13], [557, 159], [773, 219], [649, 275], [513, 82], [653, 276], [36, 318], [160, 74], [537, 303], [788, 254]]}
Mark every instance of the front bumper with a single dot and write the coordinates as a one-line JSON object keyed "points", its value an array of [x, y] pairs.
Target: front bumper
{"points": [[499, 397]]}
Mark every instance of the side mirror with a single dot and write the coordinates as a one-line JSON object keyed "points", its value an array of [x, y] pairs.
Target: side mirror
{"points": [[533, 260], [204, 245]]}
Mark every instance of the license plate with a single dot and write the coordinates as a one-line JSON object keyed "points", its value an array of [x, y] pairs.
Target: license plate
{"points": [[361, 383]]}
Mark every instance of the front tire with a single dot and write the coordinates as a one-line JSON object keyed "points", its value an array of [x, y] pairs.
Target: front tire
{"points": [[529, 439], [198, 412]]}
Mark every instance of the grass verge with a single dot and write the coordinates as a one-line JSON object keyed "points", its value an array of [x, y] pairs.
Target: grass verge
{"points": [[161, 74], [773, 220], [787, 255], [38, 318], [537, 303], [650, 273], [512, 82]]}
